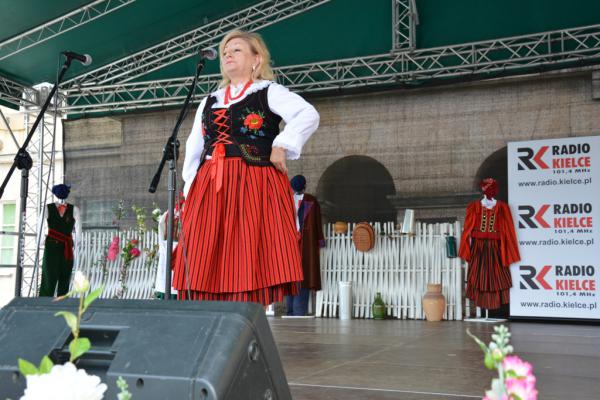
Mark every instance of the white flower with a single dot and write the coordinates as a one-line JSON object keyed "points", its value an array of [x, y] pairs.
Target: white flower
{"points": [[156, 212], [80, 282], [64, 382]]}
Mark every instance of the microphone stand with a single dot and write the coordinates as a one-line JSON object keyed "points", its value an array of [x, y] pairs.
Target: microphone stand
{"points": [[24, 162], [170, 153]]}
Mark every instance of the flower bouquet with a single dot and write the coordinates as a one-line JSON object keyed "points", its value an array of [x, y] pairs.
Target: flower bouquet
{"points": [[515, 377]]}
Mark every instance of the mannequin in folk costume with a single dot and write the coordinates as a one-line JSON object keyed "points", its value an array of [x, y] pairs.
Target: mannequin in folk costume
{"points": [[57, 265], [489, 245], [309, 225]]}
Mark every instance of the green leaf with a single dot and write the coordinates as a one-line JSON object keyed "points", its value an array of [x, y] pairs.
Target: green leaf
{"points": [[78, 347], [91, 297], [46, 365], [479, 342], [511, 374], [489, 361], [27, 368], [65, 296], [70, 318]]}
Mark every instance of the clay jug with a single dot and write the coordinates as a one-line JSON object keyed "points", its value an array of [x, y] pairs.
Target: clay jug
{"points": [[434, 302], [340, 227]]}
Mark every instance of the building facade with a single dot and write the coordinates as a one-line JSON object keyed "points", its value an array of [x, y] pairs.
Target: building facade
{"points": [[374, 154]]}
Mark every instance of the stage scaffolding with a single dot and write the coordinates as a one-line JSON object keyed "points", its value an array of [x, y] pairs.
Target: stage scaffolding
{"points": [[116, 87]]}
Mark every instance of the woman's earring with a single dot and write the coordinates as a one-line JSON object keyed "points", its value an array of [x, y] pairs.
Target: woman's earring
{"points": [[253, 68]]}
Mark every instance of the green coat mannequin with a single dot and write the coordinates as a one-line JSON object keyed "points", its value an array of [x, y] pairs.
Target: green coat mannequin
{"points": [[57, 265]]}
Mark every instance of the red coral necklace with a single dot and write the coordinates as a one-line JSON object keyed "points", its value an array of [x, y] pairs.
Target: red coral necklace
{"points": [[229, 97]]}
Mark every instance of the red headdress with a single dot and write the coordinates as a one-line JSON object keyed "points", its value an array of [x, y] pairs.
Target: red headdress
{"points": [[489, 186]]}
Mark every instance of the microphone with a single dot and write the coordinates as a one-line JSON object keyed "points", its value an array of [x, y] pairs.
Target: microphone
{"points": [[84, 59], [209, 53]]}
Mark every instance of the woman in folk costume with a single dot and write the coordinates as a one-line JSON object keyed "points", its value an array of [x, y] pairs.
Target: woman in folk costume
{"points": [[489, 245], [239, 240], [57, 264]]}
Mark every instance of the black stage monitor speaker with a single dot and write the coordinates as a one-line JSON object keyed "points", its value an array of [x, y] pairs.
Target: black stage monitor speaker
{"points": [[163, 349]]}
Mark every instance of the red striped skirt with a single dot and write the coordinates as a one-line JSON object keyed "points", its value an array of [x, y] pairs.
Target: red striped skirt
{"points": [[488, 282], [239, 243]]}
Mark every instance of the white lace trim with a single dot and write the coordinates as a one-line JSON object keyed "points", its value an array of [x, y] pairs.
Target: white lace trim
{"points": [[488, 203], [291, 152], [220, 94]]}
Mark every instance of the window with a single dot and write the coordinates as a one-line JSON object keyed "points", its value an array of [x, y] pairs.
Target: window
{"points": [[8, 243]]}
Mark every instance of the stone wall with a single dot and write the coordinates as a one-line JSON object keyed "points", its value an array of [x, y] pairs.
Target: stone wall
{"points": [[114, 158], [431, 141]]}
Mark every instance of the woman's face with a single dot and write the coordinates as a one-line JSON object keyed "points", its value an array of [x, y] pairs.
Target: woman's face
{"points": [[237, 59]]}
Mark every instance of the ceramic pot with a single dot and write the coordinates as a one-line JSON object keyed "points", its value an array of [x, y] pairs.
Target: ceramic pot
{"points": [[434, 302], [340, 227]]}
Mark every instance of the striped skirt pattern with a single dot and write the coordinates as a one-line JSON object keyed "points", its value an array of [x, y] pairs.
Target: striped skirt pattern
{"points": [[240, 243], [488, 282]]}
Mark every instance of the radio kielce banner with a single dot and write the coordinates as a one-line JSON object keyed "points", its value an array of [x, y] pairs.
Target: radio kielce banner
{"points": [[554, 195]]}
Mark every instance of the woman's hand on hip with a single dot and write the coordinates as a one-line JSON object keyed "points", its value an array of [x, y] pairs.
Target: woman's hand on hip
{"points": [[278, 159]]}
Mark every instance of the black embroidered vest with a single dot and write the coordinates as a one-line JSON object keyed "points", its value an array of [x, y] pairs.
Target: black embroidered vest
{"points": [[62, 224], [247, 128]]}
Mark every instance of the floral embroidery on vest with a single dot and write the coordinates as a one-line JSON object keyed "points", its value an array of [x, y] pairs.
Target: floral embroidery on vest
{"points": [[253, 122], [251, 152]]}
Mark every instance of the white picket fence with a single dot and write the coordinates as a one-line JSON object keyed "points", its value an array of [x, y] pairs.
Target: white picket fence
{"points": [[91, 254], [398, 266]]}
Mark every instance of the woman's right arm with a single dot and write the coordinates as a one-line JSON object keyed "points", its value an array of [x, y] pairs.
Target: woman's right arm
{"points": [[193, 149]]}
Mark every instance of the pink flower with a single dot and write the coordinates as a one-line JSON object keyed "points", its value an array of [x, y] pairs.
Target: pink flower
{"points": [[522, 389], [135, 252], [521, 368], [113, 249], [134, 241], [112, 255]]}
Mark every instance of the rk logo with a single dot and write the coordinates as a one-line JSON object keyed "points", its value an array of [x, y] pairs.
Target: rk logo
{"points": [[531, 278], [530, 159], [529, 218]]}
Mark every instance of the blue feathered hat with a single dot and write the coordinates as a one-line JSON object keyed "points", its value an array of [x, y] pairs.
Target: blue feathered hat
{"points": [[61, 191], [298, 183]]}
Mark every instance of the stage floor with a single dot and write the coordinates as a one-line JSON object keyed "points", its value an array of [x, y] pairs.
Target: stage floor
{"points": [[396, 359]]}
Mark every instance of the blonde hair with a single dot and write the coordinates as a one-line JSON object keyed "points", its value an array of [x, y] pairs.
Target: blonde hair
{"points": [[257, 46]]}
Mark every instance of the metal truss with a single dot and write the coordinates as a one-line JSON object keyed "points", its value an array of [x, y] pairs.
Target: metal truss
{"points": [[8, 128], [516, 54], [404, 23], [42, 149], [15, 93], [484, 58], [186, 45], [132, 96], [59, 25]]}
